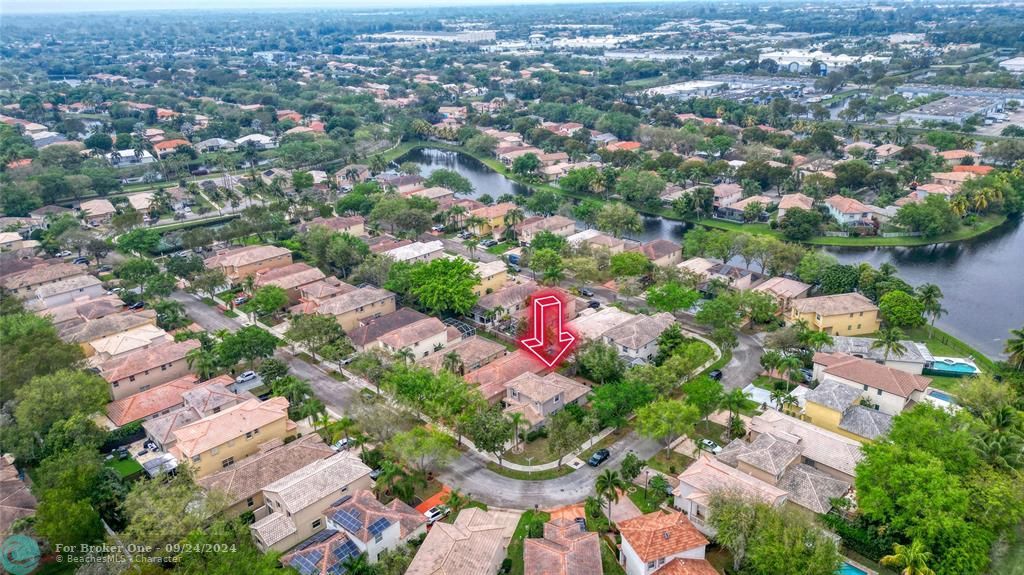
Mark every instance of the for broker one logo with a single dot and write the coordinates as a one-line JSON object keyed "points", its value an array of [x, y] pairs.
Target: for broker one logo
{"points": [[20, 554], [547, 336]]}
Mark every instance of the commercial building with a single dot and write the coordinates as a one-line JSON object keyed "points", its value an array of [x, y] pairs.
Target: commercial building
{"points": [[952, 109]]}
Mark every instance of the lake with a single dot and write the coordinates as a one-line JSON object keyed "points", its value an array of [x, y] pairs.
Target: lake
{"points": [[982, 279]]}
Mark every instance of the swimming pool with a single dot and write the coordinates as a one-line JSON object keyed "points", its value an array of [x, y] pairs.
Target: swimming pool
{"points": [[847, 569], [941, 395], [952, 366]]}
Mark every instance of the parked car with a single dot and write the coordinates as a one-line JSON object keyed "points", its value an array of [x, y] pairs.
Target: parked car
{"points": [[63, 254], [245, 376], [489, 243], [80, 260], [375, 473], [708, 445], [342, 444], [436, 513], [586, 292], [437, 228], [513, 259], [716, 375], [105, 268], [137, 306], [240, 300], [593, 304], [599, 457], [807, 374], [514, 268]]}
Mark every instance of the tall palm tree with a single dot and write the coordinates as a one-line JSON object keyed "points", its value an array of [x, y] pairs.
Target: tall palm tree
{"points": [[455, 501], [791, 366], [357, 565], [471, 245], [513, 218], [889, 341], [453, 363], [931, 296], [733, 402], [607, 486], [203, 361], [777, 396], [1015, 347], [516, 418], [386, 478], [405, 354], [910, 559], [816, 340], [958, 204], [770, 361]]}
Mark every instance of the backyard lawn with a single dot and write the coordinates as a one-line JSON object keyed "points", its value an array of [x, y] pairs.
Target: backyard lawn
{"points": [[670, 462], [126, 468], [646, 503], [500, 248], [531, 524]]}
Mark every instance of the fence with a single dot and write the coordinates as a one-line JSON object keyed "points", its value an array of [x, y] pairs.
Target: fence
{"points": [[836, 234], [900, 234]]}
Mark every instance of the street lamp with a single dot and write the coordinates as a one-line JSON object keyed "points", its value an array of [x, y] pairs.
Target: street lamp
{"points": [[647, 482], [529, 471]]}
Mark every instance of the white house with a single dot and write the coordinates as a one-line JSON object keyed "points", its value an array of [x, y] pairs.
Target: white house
{"points": [[662, 542], [259, 140]]}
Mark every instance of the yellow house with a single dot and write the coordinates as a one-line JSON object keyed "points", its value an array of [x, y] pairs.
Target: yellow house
{"points": [[218, 441], [148, 367], [842, 314], [493, 276], [240, 263], [493, 218], [352, 307], [837, 407]]}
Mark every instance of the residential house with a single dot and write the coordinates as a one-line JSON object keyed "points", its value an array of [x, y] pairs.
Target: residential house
{"points": [[85, 331], [350, 308], [537, 398], [493, 218], [727, 194], [141, 201], [443, 196], [913, 359], [510, 155], [887, 389], [558, 225], [259, 141], [886, 151], [707, 476], [215, 145], [168, 147], [295, 504], [367, 335], [352, 225], [593, 324], [197, 403], [491, 378], [783, 290], [840, 314], [826, 451], [421, 338], [662, 542], [239, 263], [157, 401], [232, 434], [68, 290], [290, 278], [637, 339], [790, 201], [493, 277], [129, 158], [373, 526], [10, 241], [850, 211], [700, 267], [597, 240], [97, 212], [509, 302], [473, 352], [952, 179], [417, 252], [662, 252], [16, 500], [734, 277], [79, 310], [23, 283], [106, 348], [566, 548], [474, 544], [737, 210], [243, 482], [838, 407], [958, 156], [624, 146], [313, 294], [145, 368]]}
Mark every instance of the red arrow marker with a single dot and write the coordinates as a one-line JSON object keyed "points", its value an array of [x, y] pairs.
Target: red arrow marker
{"points": [[546, 336]]}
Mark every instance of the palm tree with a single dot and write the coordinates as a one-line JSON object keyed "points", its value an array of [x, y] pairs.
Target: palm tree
{"points": [[455, 501], [471, 245], [912, 559], [293, 389], [777, 396], [791, 366], [456, 215], [386, 478], [931, 296], [889, 340], [405, 354], [203, 361], [770, 361], [734, 401], [453, 363], [789, 402], [817, 340], [1015, 347], [516, 418], [607, 486], [513, 218], [357, 565]]}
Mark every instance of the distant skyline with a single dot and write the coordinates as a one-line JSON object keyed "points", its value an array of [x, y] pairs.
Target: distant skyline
{"points": [[72, 6]]}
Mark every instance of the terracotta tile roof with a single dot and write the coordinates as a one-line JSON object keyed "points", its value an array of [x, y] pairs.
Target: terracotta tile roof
{"points": [[83, 309], [473, 545], [873, 375], [151, 401], [45, 272], [169, 145], [708, 475], [245, 256], [363, 510], [541, 389], [820, 445], [145, 335], [16, 501], [508, 297], [229, 424], [289, 277], [347, 302], [846, 205], [565, 549], [798, 200], [660, 534], [337, 223], [317, 480], [473, 351], [660, 248], [383, 325], [682, 566], [414, 333], [495, 211], [142, 360], [839, 304], [980, 170], [958, 154], [250, 475], [491, 378], [782, 287], [640, 330]]}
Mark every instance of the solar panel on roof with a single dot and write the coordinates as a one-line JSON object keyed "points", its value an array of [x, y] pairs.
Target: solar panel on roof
{"points": [[339, 555], [378, 526], [349, 519], [307, 563], [317, 538]]}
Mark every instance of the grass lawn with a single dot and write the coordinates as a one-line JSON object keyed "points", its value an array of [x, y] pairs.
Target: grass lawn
{"points": [[230, 313], [670, 462], [338, 376], [536, 450], [766, 383], [609, 559], [942, 344], [531, 523], [536, 475], [647, 504], [125, 467], [209, 301], [711, 430], [500, 248]]}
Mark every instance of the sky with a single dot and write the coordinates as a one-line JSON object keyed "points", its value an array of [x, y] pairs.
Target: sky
{"points": [[37, 6]]}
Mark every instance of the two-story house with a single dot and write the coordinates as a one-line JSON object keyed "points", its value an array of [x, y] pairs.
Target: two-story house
{"points": [[493, 218], [421, 338], [240, 263], [887, 388], [352, 225], [558, 225], [493, 276], [197, 403], [159, 400], [357, 305], [219, 440], [474, 544], [840, 408], [373, 526], [24, 283], [566, 548], [291, 278], [538, 398], [67, 290], [707, 476], [416, 252], [783, 290], [145, 368], [840, 314], [637, 338], [295, 504], [662, 541], [850, 211], [662, 252]]}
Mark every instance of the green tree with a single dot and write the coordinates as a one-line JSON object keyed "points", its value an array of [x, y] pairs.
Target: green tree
{"points": [[630, 265], [163, 513], [671, 297], [232, 534], [565, 434], [445, 285], [526, 165], [618, 219], [22, 336], [800, 225], [600, 362], [665, 420], [614, 402], [930, 296], [1015, 348], [451, 180], [424, 450], [889, 340], [314, 332], [608, 485], [640, 187], [490, 431], [266, 300], [705, 394], [902, 310], [250, 343], [209, 281], [909, 559]]}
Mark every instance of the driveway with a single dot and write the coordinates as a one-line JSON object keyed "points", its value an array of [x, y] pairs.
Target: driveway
{"points": [[209, 317], [336, 395], [469, 474], [745, 364]]}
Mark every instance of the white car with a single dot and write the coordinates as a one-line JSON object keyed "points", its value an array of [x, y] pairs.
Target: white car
{"points": [[708, 445], [341, 444], [245, 376], [436, 513], [63, 254]]}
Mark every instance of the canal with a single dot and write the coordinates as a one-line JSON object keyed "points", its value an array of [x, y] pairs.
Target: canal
{"points": [[982, 279]]}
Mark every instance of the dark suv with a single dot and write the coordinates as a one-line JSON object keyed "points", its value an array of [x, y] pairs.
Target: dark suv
{"points": [[599, 457]]}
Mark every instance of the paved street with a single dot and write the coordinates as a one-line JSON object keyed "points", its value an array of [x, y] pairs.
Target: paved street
{"points": [[209, 317], [745, 364], [336, 395], [469, 473]]}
